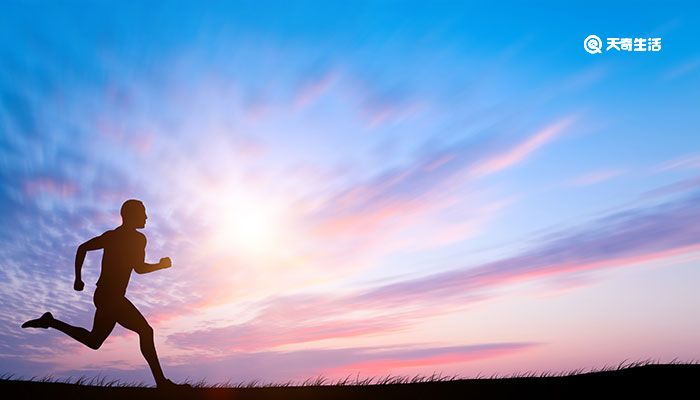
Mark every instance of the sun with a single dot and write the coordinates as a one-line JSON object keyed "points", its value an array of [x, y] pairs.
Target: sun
{"points": [[248, 225], [252, 228]]}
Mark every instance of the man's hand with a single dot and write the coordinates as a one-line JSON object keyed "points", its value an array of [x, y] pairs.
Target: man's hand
{"points": [[78, 285], [146, 268], [165, 262]]}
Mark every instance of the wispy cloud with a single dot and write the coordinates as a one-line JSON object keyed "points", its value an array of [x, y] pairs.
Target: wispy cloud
{"points": [[522, 150], [595, 177], [681, 186], [690, 161], [681, 70], [615, 240], [394, 361], [423, 185], [315, 86], [628, 237], [340, 362]]}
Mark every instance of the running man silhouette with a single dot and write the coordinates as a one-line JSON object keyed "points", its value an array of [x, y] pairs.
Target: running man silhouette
{"points": [[124, 251]]}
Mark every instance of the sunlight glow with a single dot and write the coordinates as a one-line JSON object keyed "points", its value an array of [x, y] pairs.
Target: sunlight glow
{"points": [[248, 225]]}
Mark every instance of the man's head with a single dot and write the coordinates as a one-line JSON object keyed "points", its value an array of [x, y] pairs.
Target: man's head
{"points": [[133, 214]]}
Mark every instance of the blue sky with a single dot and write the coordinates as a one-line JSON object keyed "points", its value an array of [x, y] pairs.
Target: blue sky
{"points": [[371, 181]]}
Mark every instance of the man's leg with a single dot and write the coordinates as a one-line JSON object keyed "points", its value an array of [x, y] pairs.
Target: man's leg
{"points": [[102, 326], [131, 318]]}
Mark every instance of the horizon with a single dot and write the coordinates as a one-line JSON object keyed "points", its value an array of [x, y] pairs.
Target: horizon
{"points": [[394, 188]]}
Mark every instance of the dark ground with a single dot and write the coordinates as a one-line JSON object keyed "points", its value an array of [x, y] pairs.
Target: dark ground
{"points": [[649, 381]]}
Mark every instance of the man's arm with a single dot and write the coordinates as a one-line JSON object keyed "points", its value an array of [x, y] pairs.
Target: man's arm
{"points": [[145, 267], [95, 243], [142, 267]]}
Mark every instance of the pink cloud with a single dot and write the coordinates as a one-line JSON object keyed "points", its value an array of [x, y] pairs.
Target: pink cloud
{"points": [[267, 333], [384, 112], [690, 161], [595, 177], [143, 143], [335, 363], [315, 88], [396, 200], [423, 186], [627, 238], [50, 186], [388, 362], [372, 220], [519, 152], [674, 188]]}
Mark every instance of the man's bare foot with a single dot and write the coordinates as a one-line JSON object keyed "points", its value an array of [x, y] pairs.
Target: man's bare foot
{"points": [[41, 322], [168, 384]]}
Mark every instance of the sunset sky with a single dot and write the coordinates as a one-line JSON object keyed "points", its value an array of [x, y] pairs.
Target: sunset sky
{"points": [[354, 188]]}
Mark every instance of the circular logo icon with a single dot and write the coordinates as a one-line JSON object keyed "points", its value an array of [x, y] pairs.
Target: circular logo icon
{"points": [[592, 44]]}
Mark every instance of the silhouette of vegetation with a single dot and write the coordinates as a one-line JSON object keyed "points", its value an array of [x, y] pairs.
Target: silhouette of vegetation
{"points": [[627, 379]]}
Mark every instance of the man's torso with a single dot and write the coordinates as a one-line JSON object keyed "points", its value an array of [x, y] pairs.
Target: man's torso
{"points": [[122, 250]]}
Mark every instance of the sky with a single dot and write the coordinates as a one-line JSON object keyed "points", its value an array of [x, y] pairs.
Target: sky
{"points": [[354, 188]]}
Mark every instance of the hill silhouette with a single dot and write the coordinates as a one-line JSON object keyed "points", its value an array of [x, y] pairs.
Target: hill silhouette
{"points": [[653, 380]]}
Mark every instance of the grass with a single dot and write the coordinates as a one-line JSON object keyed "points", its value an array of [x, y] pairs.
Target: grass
{"points": [[625, 380], [350, 380]]}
